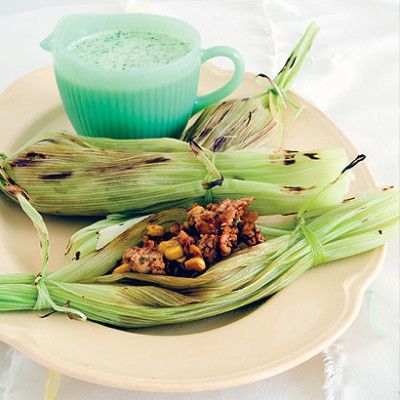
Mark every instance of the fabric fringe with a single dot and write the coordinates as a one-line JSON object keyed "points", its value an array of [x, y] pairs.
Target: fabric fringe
{"points": [[5, 372], [333, 369]]}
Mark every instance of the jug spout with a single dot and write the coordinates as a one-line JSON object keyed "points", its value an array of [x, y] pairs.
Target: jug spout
{"points": [[48, 43], [59, 30]]}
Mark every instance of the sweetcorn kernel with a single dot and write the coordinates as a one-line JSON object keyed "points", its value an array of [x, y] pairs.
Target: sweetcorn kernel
{"points": [[195, 264], [121, 269], [155, 230], [163, 246], [174, 252], [195, 251]]}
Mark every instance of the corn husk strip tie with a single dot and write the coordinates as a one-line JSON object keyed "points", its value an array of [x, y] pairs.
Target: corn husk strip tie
{"points": [[44, 300], [212, 170]]}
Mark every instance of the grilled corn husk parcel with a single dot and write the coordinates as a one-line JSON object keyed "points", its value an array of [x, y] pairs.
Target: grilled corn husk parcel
{"points": [[253, 121], [61, 173], [86, 289]]}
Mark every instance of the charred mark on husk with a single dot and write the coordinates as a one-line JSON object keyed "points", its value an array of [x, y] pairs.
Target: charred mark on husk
{"points": [[293, 61], [249, 118], [205, 131], [295, 189], [210, 185], [289, 158], [23, 162], [358, 159], [31, 158], [289, 161], [286, 63], [223, 115], [312, 156], [156, 160], [61, 175], [218, 143], [33, 154]]}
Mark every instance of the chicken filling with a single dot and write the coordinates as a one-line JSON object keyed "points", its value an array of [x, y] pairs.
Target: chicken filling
{"points": [[208, 235]]}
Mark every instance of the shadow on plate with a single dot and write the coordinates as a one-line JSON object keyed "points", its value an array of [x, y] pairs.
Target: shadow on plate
{"points": [[202, 325]]}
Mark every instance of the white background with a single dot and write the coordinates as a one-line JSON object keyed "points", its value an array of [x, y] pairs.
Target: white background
{"points": [[352, 75]]}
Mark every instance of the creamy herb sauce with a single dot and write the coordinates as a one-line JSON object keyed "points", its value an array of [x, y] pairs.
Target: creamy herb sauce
{"points": [[129, 49]]}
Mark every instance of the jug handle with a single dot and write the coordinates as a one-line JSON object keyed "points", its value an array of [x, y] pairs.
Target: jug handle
{"points": [[210, 98]]}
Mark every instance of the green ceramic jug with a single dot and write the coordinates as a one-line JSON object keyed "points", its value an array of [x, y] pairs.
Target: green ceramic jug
{"points": [[133, 104]]}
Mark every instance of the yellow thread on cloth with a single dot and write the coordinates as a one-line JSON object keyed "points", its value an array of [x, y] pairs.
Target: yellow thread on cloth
{"points": [[137, 8], [52, 385]]}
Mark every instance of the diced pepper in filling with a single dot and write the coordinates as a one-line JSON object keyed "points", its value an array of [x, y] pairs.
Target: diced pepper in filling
{"points": [[209, 234]]}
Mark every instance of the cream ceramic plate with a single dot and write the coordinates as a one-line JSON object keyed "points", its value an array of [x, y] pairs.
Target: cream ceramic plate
{"points": [[232, 349]]}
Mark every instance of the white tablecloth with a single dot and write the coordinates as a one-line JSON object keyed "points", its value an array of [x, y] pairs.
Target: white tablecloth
{"points": [[352, 76]]}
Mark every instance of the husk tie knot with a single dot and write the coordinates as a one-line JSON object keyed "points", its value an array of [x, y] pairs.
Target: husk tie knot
{"points": [[44, 300]]}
